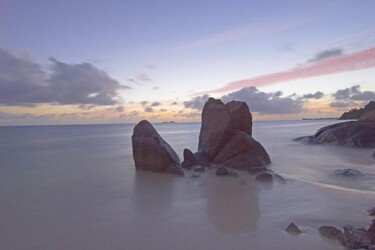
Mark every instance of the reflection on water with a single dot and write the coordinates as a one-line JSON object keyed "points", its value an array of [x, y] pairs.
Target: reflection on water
{"points": [[232, 205]]}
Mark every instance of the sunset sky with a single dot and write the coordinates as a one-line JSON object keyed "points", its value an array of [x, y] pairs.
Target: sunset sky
{"points": [[94, 61]]}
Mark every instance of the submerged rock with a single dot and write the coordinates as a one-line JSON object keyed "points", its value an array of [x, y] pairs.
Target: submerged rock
{"points": [[356, 237], [348, 172], [264, 177], [331, 233], [353, 133], [222, 171], [198, 169], [293, 229], [279, 178], [198, 158], [151, 152], [195, 175]]}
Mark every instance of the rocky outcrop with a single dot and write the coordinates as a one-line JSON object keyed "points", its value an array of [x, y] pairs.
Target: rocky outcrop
{"points": [[354, 133], [225, 137], [220, 122], [356, 237], [369, 116], [151, 152], [358, 113], [371, 232]]}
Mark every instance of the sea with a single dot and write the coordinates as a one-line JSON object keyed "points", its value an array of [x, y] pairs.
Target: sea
{"points": [[76, 187]]}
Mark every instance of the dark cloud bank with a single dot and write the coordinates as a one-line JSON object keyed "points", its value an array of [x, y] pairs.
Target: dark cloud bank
{"points": [[349, 96], [25, 83], [258, 101]]}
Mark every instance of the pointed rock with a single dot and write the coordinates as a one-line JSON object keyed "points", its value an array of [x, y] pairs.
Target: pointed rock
{"points": [[293, 229], [151, 152]]}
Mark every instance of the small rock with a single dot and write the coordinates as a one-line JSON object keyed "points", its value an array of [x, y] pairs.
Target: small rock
{"points": [[264, 177], [348, 172], [356, 237], [371, 211], [195, 175], [222, 171], [198, 169], [331, 233], [293, 229], [189, 159]]}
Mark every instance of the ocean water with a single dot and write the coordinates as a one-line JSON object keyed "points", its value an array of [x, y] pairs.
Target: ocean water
{"points": [[75, 187]]}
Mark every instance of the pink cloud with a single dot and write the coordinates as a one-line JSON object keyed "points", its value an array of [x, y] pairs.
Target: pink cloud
{"points": [[344, 63]]}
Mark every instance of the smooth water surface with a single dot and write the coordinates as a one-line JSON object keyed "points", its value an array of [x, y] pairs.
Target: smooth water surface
{"points": [[75, 187]]}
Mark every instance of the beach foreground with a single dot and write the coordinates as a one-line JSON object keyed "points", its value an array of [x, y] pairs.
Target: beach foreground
{"points": [[75, 187]]}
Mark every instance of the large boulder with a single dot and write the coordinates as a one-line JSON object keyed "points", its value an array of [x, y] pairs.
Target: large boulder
{"points": [[220, 122], [151, 152], [225, 136], [353, 133], [242, 152]]}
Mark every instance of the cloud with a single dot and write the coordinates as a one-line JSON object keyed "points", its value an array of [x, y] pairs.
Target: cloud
{"points": [[317, 95], [258, 101], [120, 109], [143, 78], [155, 104], [140, 79], [25, 83], [354, 94], [196, 102], [342, 63], [340, 104], [174, 103], [326, 54], [155, 88], [265, 103], [149, 110]]}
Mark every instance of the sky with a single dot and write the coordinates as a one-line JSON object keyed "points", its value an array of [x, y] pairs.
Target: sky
{"points": [[94, 61]]}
